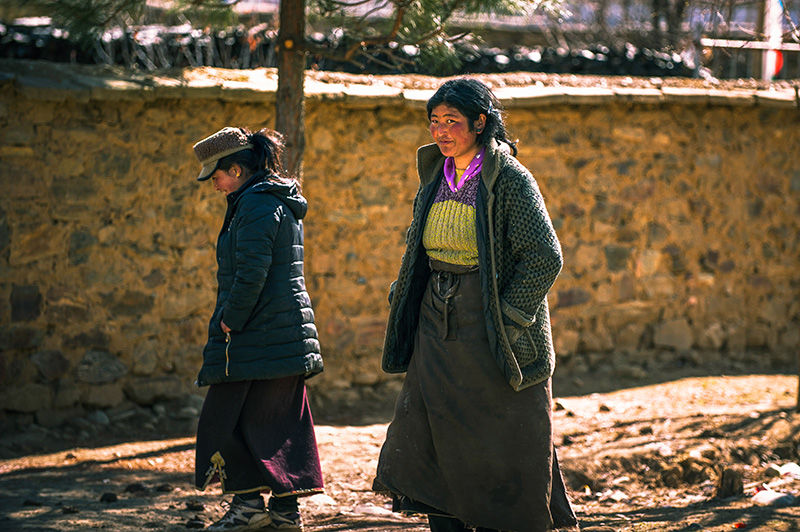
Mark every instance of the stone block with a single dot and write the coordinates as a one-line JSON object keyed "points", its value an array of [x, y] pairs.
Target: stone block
{"points": [[617, 257], [566, 342], [369, 332], [103, 395], [572, 297], [67, 394], [99, 367], [178, 305], [26, 303], [712, 337], [674, 334], [629, 338], [80, 246], [20, 337], [648, 263], [52, 364], [131, 303], [147, 391], [51, 418], [94, 339], [29, 398], [145, 358], [598, 340], [30, 244], [641, 312]]}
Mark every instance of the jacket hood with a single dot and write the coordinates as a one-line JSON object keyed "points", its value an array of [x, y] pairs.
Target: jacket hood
{"points": [[286, 191]]}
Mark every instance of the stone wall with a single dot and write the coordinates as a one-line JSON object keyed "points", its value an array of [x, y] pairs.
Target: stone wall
{"points": [[678, 212]]}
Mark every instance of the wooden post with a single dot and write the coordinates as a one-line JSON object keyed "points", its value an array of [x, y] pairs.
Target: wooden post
{"points": [[773, 35], [290, 98]]}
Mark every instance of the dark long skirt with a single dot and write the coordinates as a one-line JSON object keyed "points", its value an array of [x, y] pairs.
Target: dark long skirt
{"points": [[258, 436], [462, 442]]}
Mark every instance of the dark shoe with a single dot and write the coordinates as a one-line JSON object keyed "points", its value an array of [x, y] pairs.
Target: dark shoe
{"points": [[241, 517]]}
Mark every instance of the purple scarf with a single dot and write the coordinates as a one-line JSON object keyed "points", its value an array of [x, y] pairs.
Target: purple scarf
{"points": [[473, 169]]}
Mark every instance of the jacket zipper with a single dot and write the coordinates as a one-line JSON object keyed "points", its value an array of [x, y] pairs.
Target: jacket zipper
{"points": [[227, 346]]}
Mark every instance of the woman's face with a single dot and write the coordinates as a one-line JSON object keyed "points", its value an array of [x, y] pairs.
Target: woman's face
{"points": [[451, 132], [227, 181]]}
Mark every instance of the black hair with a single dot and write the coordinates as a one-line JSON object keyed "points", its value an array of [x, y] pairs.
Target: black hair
{"points": [[264, 156], [473, 98]]}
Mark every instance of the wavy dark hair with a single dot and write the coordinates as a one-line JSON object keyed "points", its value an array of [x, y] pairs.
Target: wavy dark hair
{"points": [[265, 155], [473, 98]]}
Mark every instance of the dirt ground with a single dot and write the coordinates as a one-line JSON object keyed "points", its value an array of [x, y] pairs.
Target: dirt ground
{"points": [[639, 459]]}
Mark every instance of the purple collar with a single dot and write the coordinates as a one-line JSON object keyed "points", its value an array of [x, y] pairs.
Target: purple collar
{"points": [[473, 169]]}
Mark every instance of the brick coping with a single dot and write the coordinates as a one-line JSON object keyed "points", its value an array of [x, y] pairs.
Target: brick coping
{"points": [[42, 80]]}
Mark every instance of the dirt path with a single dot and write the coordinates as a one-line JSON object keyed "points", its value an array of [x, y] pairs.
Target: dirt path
{"points": [[637, 460]]}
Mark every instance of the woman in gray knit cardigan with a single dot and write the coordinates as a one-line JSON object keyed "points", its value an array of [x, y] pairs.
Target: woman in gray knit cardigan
{"points": [[471, 442]]}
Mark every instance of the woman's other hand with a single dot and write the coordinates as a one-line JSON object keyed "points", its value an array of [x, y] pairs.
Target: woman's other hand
{"points": [[225, 328]]}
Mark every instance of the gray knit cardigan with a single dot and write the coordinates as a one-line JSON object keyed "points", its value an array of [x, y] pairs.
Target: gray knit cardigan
{"points": [[519, 258]]}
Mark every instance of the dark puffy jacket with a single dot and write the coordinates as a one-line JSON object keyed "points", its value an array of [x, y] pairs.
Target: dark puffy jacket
{"points": [[262, 294]]}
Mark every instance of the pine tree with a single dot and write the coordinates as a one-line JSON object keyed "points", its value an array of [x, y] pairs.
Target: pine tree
{"points": [[371, 30]]}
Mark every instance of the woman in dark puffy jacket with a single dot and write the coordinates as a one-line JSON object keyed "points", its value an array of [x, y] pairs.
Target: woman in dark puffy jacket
{"points": [[256, 432]]}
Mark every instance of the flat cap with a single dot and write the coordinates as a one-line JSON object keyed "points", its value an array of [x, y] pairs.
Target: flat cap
{"points": [[211, 149]]}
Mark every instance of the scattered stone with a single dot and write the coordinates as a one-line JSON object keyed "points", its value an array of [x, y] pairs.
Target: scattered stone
{"points": [[371, 509], [136, 487], [109, 497], [730, 483], [70, 510], [99, 417], [165, 488], [195, 506], [195, 522], [672, 476]]}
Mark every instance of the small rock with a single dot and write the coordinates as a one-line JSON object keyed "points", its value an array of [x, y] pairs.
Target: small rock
{"points": [[320, 499], [730, 483], [165, 488], [195, 522], [371, 509], [195, 506], [70, 510], [136, 487], [109, 497], [98, 417]]}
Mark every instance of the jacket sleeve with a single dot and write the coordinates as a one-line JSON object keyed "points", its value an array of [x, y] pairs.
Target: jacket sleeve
{"points": [[256, 230], [535, 251]]}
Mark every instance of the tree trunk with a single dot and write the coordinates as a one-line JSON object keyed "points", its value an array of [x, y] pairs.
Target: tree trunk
{"points": [[290, 99]]}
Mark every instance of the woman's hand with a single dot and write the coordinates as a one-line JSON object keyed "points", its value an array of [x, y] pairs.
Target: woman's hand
{"points": [[225, 328]]}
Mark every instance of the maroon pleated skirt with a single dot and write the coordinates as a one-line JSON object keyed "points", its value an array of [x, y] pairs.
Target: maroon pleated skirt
{"points": [[258, 436]]}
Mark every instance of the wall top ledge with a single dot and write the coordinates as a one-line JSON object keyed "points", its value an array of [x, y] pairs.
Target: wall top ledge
{"points": [[42, 80]]}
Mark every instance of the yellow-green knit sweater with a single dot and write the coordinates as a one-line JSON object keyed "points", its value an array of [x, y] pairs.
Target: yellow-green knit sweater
{"points": [[450, 234]]}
